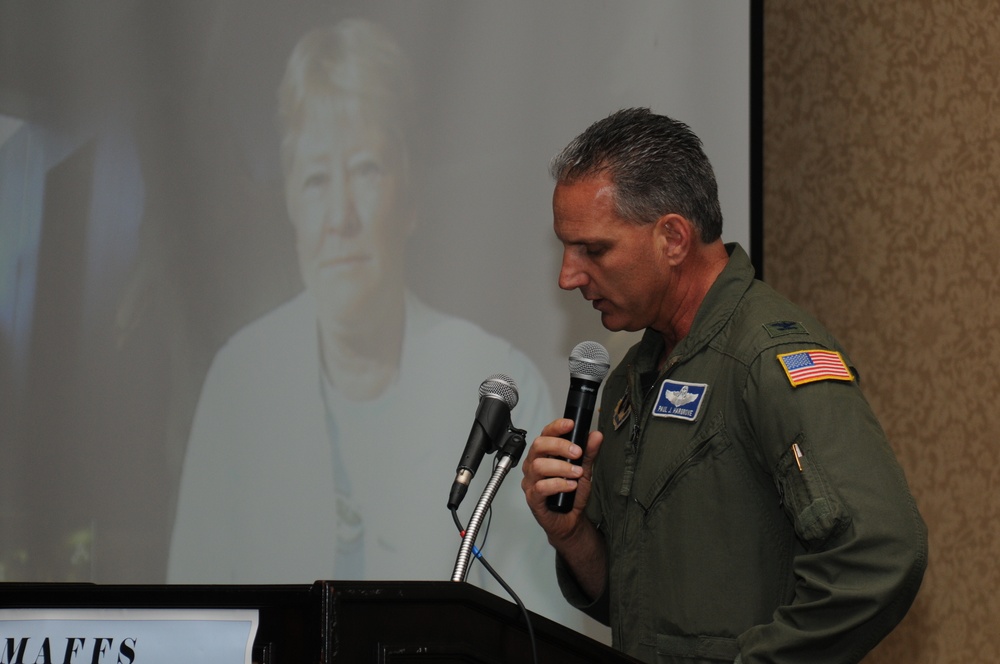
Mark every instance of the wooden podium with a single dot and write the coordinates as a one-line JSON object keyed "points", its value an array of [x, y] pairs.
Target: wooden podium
{"points": [[331, 622]]}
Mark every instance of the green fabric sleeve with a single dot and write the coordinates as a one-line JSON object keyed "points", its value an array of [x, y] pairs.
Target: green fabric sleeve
{"points": [[864, 542]]}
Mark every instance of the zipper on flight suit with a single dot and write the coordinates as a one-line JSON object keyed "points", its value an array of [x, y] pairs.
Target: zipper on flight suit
{"points": [[638, 410], [638, 407], [632, 453]]}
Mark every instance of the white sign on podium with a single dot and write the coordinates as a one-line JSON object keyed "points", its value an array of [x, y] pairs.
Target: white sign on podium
{"points": [[127, 636]]}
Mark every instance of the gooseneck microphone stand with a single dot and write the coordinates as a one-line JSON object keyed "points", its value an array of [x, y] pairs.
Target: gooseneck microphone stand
{"points": [[510, 453]]}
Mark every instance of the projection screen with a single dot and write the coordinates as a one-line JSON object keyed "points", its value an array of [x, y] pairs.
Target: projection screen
{"points": [[243, 348]]}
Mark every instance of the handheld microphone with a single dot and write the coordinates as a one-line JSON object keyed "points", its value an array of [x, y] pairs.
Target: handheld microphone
{"points": [[588, 365], [497, 397]]}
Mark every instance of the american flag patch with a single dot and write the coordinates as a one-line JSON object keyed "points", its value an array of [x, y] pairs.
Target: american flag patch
{"points": [[806, 366]]}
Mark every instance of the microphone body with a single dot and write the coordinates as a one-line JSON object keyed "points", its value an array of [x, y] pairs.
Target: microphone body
{"points": [[492, 420], [497, 397], [589, 363]]}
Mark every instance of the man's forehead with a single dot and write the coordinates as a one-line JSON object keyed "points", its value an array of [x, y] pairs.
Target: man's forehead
{"points": [[594, 229], [585, 209]]}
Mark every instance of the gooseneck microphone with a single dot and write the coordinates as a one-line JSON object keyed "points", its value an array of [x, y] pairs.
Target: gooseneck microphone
{"points": [[588, 365], [497, 397]]}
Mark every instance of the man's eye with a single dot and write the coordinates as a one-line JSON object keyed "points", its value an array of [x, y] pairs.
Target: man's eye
{"points": [[595, 250]]}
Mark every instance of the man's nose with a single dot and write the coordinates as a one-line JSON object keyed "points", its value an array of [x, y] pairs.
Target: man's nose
{"points": [[570, 275]]}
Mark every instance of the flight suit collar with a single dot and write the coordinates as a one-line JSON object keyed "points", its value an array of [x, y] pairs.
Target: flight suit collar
{"points": [[713, 314]]}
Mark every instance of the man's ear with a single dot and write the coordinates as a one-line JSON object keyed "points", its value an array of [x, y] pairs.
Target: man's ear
{"points": [[675, 236]]}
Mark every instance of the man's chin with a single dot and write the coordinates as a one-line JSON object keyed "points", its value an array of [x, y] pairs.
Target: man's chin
{"points": [[611, 323], [618, 324]]}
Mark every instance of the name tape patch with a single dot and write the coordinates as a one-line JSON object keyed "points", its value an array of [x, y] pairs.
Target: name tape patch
{"points": [[807, 366], [680, 400]]}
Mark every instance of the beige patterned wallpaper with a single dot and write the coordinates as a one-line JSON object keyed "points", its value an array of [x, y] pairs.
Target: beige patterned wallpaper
{"points": [[882, 216]]}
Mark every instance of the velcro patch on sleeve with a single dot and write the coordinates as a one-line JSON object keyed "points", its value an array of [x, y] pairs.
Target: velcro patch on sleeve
{"points": [[780, 328], [808, 366]]}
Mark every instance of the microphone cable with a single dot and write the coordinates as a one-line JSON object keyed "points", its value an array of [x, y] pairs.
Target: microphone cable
{"points": [[478, 554]]}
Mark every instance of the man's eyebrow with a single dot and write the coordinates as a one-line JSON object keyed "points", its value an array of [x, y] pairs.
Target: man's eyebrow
{"points": [[591, 240]]}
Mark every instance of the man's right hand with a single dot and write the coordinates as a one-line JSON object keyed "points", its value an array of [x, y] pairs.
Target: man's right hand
{"points": [[546, 473]]}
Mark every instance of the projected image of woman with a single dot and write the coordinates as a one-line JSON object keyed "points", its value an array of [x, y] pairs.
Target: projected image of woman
{"points": [[327, 432], [347, 194]]}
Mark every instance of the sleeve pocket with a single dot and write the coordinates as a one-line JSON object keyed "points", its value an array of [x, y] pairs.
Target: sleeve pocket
{"points": [[675, 649], [814, 508]]}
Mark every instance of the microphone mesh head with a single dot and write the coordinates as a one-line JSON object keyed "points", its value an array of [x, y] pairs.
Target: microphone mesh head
{"points": [[500, 386], [590, 361]]}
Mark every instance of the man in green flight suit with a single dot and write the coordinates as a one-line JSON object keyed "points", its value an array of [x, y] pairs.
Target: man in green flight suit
{"points": [[739, 501]]}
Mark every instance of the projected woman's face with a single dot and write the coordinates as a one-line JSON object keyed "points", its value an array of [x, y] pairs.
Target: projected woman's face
{"points": [[344, 196]]}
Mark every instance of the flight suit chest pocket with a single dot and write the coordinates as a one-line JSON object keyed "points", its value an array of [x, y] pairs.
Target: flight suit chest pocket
{"points": [[807, 496], [673, 465]]}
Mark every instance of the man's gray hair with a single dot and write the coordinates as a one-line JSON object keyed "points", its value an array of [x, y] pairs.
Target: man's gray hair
{"points": [[656, 163]]}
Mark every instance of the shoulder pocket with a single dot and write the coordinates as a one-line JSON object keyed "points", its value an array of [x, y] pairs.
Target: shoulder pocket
{"points": [[815, 510]]}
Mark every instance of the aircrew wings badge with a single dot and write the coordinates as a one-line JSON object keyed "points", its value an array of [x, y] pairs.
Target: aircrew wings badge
{"points": [[807, 366]]}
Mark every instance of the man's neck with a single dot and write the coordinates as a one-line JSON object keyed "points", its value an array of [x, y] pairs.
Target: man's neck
{"points": [[695, 278]]}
